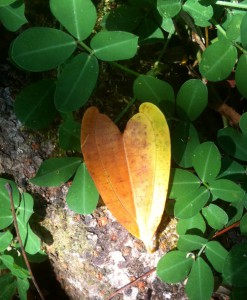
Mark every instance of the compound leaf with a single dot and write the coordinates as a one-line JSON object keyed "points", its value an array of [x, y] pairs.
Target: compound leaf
{"points": [[182, 183], [218, 60], [77, 16], [233, 142], [184, 141], [192, 99], [29, 239], [226, 190], [40, 49], [189, 205], [76, 83], [32, 102], [190, 242], [200, 281], [174, 266], [5, 240], [159, 92], [243, 123], [12, 16], [82, 196], [193, 225], [216, 254], [235, 266], [169, 8], [206, 161], [240, 77], [55, 171], [114, 45], [215, 216]]}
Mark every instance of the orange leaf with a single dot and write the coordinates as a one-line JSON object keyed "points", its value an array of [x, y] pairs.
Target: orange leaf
{"points": [[130, 170]]}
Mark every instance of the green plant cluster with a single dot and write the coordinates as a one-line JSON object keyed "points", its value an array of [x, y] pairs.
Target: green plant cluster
{"points": [[208, 179], [13, 270]]}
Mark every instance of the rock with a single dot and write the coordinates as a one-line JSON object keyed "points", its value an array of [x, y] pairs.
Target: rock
{"points": [[92, 255]]}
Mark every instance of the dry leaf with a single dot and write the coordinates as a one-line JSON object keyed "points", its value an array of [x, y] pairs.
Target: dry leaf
{"points": [[130, 170]]}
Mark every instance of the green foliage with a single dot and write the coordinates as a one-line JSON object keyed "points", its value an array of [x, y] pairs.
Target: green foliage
{"points": [[35, 99], [55, 171], [235, 265], [208, 179], [88, 194], [16, 275], [12, 14]]}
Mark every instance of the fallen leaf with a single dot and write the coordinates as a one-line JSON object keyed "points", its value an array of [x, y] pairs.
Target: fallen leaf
{"points": [[130, 170]]}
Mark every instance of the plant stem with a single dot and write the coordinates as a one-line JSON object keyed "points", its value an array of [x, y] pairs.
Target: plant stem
{"points": [[131, 283], [9, 189], [85, 47], [233, 5], [125, 110], [163, 50], [221, 29], [125, 69]]}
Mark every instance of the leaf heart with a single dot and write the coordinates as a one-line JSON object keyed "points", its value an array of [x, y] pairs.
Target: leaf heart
{"points": [[130, 170]]}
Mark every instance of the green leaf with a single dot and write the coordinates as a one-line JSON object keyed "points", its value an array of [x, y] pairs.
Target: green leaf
{"points": [[32, 103], [215, 216], [199, 11], [233, 142], [69, 135], [192, 99], [114, 45], [230, 169], [5, 240], [168, 8], [8, 286], [233, 28], [226, 190], [168, 25], [6, 2], [243, 29], [40, 49], [123, 18], [76, 83], [189, 242], [5, 210], [193, 225], [77, 16], [243, 121], [206, 161], [216, 254], [200, 283], [149, 32], [182, 183], [174, 266], [83, 196], [189, 205], [12, 16], [15, 269], [184, 142], [22, 286], [243, 224], [235, 266], [240, 75], [218, 60], [29, 239], [235, 212], [151, 89], [56, 171]]}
